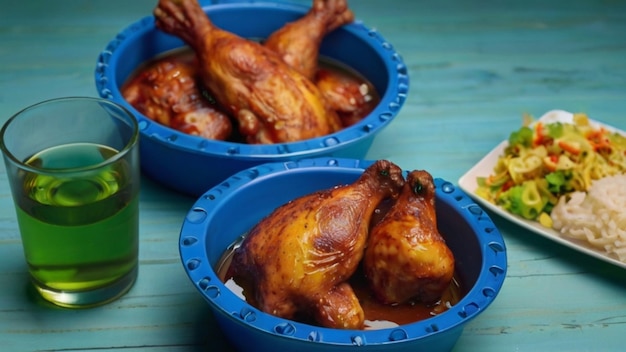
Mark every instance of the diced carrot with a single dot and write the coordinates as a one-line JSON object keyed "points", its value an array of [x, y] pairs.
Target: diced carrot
{"points": [[599, 140], [507, 185], [551, 162], [569, 147], [539, 136]]}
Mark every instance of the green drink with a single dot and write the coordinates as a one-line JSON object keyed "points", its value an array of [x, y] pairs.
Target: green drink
{"points": [[94, 210], [73, 167]]}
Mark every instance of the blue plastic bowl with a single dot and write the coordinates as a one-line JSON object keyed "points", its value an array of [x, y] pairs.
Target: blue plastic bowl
{"points": [[229, 210], [192, 164]]}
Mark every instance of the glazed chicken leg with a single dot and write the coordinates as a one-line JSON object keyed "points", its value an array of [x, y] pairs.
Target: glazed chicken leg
{"points": [[167, 92], [406, 257], [271, 101], [300, 257], [351, 98], [298, 42]]}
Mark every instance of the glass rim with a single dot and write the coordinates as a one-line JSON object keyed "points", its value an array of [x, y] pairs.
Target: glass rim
{"points": [[133, 140]]}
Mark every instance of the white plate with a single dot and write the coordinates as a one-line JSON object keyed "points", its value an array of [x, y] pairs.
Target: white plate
{"points": [[485, 167]]}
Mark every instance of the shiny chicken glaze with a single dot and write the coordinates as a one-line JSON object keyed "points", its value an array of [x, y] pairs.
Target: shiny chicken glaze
{"points": [[300, 257], [171, 91], [271, 101], [406, 256]]}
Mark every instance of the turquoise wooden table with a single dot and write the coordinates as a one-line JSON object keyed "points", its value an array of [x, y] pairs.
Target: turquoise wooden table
{"points": [[475, 68]]}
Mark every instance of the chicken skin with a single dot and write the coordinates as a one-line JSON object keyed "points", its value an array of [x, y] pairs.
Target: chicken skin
{"points": [[299, 258], [298, 42], [271, 101], [406, 257], [298, 45], [350, 97], [167, 91]]}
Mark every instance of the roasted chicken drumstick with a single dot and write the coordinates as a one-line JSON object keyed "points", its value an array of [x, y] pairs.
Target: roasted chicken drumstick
{"points": [[167, 92], [299, 258], [298, 42], [406, 257], [271, 101]]}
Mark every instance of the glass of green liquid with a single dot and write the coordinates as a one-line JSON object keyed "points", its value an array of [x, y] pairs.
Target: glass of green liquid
{"points": [[73, 167]]}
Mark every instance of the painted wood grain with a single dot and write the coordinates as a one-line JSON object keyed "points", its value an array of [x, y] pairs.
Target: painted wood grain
{"points": [[475, 68]]}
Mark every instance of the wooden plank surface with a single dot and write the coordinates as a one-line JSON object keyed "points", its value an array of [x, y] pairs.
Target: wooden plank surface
{"points": [[475, 68]]}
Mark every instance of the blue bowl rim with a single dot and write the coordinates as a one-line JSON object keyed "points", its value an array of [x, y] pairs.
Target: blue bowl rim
{"points": [[197, 266], [390, 103]]}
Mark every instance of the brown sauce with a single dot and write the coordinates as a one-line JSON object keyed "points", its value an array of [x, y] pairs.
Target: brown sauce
{"points": [[377, 315], [342, 73]]}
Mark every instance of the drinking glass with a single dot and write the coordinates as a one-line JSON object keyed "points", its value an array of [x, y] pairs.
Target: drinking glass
{"points": [[73, 168]]}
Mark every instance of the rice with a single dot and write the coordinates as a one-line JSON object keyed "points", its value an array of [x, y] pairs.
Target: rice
{"points": [[597, 217]]}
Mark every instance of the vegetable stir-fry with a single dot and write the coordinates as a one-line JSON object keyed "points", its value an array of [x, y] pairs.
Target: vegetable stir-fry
{"points": [[543, 162]]}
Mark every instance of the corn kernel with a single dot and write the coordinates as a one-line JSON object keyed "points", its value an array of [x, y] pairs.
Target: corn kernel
{"points": [[545, 220]]}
